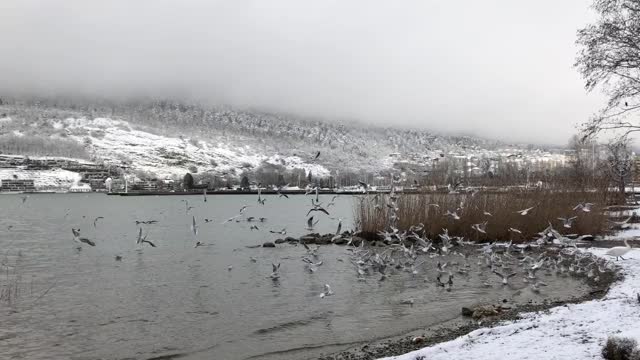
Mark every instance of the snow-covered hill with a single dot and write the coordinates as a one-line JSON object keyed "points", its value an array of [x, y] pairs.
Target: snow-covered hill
{"points": [[168, 140], [116, 142]]}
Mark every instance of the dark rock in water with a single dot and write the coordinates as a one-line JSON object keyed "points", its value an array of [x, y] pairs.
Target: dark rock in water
{"points": [[253, 246], [324, 239], [340, 241], [308, 240], [269, 244], [313, 235], [467, 311], [290, 239], [280, 241], [484, 311], [356, 240]]}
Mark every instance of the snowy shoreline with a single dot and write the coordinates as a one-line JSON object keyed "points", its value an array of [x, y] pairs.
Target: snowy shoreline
{"points": [[571, 331]]}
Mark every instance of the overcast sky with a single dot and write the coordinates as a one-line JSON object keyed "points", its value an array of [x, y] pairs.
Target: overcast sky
{"points": [[500, 69]]}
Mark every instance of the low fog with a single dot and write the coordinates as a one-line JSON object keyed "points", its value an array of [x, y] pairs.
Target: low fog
{"points": [[499, 69]]}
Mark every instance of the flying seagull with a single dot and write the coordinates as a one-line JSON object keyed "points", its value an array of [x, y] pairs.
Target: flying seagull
{"points": [[194, 226], [504, 277], [76, 237], [327, 291], [586, 207], [142, 240], [311, 223], [95, 221], [525, 211], [317, 208], [275, 275], [567, 222]]}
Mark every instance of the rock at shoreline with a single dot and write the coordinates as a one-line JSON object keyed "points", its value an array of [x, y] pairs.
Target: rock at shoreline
{"points": [[484, 311], [324, 239], [356, 240], [467, 312], [309, 238], [269, 244], [280, 241], [290, 239], [341, 241]]}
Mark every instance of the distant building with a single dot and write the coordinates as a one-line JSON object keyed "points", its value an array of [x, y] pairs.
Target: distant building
{"points": [[80, 188], [15, 185]]}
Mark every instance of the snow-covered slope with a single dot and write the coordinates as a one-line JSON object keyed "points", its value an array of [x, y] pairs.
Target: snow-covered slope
{"points": [[44, 179], [116, 142]]}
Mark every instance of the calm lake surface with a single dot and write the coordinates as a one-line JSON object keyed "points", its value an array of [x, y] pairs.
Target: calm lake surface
{"points": [[177, 299]]}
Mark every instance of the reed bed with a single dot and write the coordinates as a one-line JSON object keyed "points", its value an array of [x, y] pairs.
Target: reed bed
{"points": [[372, 214]]}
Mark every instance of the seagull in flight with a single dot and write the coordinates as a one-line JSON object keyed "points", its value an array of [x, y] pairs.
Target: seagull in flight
{"points": [[147, 222], [481, 228], [505, 278], [525, 211], [311, 223], [275, 275], [567, 222], [76, 237], [317, 156], [231, 219], [281, 232], [281, 194], [364, 185], [515, 230], [317, 208], [187, 207], [586, 207], [95, 221], [453, 215], [194, 226], [327, 291], [142, 240]]}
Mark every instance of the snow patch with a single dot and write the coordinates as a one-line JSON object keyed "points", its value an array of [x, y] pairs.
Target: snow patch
{"points": [[169, 156], [44, 179]]}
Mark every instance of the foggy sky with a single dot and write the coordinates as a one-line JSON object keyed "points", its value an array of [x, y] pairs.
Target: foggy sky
{"points": [[499, 69]]}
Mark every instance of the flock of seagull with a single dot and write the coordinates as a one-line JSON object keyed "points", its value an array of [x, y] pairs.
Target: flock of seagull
{"points": [[409, 251]]}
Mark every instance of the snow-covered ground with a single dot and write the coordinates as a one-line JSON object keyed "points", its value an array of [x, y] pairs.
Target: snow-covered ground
{"points": [[44, 179], [115, 141], [570, 332]]}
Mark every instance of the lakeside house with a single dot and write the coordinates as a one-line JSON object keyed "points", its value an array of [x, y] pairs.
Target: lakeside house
{"points": [[17, 185], [80, 188]]}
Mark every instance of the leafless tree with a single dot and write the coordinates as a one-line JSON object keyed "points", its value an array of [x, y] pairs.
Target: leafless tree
{"points": [[620, 165], [610, 58]]}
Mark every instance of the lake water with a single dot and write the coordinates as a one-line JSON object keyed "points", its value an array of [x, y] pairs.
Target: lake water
{"points": [[177, 299]]}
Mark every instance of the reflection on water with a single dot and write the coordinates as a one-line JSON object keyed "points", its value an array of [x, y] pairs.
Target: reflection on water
{"points": [[177, 299]]}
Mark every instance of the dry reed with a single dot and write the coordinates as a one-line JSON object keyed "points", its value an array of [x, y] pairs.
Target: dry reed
{"points": [[372, 215]]}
